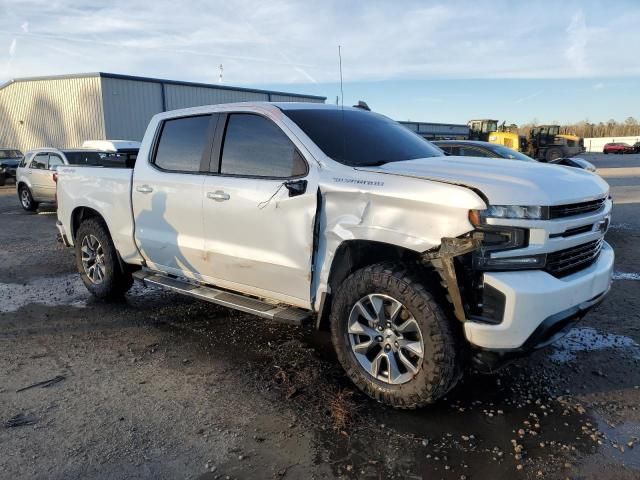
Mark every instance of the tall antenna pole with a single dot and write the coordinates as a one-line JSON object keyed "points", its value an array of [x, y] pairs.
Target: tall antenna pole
{"points": [[341, 89], [220, 77]]}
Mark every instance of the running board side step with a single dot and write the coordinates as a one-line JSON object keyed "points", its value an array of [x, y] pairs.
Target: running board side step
{"points": [[277, 313]]}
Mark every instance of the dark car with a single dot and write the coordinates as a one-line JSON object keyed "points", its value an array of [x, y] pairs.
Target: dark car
{"points": [[9, 160], [618, 147], [473, 148]]}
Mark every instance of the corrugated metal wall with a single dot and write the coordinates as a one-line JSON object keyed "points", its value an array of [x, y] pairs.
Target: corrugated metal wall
{"points": [[64, 112], [184, 96], [289, 98], [54, 112], [128, 107]]}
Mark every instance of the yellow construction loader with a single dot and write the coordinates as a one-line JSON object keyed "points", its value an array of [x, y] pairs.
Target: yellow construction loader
{"points": [[545, 142], [487, 130]]}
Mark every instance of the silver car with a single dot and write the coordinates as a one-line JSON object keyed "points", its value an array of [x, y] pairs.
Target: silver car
{"points": [[35, 176]]}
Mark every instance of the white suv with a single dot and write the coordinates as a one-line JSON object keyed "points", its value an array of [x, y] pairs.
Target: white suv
{"points": [[35, 176]]}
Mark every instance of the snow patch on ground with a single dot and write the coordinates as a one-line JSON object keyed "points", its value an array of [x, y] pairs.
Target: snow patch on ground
{"points": [[622, 226], [626, 276], [589, 339]]}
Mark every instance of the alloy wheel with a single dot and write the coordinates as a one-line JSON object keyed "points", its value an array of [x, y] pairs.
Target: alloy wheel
{"points": [[93, 259], [24, 198], [385, 339]]}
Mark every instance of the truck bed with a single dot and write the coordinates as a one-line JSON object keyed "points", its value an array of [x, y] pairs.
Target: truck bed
{"points": [[108, 192]]}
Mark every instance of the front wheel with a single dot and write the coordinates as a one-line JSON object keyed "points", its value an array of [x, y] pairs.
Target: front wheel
{"points": [[392, 338], [97, 261], [553, 154]]}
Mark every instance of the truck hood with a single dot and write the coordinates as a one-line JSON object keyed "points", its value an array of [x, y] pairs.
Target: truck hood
{"points": [[505, 181]]}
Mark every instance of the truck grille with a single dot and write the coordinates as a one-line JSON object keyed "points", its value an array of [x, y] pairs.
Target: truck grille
{"points": [[560, 211], [571, 260]]}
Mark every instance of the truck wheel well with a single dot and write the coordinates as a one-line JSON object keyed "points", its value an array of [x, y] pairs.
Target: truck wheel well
{"points": [[79, 215], [353, 255]]}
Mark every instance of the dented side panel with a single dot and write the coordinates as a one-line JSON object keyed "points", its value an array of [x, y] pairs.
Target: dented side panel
{"points": [[410, 213]]}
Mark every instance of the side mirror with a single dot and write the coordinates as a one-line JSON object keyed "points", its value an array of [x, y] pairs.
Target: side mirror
{"points": [[296, 187]]}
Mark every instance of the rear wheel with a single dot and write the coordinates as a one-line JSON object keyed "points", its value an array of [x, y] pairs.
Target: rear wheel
{"points": [[26, 199], [3, 180], [392, 338], [97, 261]]}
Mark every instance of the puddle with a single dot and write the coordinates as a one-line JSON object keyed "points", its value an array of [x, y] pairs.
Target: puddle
{"points": [[625, 276], [52, 291], [490, 427], [589, 339], [620, 442]]}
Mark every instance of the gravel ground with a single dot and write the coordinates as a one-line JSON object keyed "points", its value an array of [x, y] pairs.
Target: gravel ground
{"points": [[160, 386]]}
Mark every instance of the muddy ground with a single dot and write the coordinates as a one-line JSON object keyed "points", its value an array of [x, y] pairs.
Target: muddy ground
{"points": [[160, 386]]}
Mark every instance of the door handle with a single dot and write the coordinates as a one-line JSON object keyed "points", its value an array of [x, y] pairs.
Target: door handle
{"points": [[144, 189], [218, 196]]}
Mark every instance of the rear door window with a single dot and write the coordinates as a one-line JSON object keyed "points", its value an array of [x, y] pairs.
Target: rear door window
{"points": [[55, 160], [182, 144], [254, 146]]}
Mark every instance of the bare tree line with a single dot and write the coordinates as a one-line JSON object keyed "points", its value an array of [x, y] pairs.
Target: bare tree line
{"points": [[612, 128]]}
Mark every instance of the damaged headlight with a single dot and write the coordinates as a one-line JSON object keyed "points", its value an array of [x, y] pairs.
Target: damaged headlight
{"points": [[528, 212], [499, 239]]}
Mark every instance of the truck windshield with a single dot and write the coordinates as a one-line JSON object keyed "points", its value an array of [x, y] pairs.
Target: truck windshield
{"points": [[360, 138]]}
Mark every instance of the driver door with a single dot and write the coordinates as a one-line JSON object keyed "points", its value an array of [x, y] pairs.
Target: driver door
{"points": [[259, 207]]}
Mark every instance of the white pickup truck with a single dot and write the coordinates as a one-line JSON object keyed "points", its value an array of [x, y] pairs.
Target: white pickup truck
{"points": [[418, 263]]}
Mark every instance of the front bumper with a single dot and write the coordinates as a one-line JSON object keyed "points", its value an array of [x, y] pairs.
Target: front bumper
{"points": [[539, 308]]}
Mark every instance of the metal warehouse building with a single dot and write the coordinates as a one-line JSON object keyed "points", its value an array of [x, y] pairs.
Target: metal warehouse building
{"points": [[439, 131], [64, 111]]}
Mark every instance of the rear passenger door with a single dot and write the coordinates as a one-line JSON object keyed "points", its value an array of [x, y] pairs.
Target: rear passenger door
{"points": [[259, 210], [39, 176], [167, 196]]}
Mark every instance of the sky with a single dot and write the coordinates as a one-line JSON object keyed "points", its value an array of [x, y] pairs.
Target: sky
{"points": [[439, 61]]}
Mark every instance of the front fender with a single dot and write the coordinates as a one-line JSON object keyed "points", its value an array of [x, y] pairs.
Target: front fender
{"points": [[410, 213]]}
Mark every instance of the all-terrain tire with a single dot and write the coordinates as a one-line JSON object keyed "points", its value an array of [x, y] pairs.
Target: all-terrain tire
{"points": [[553, 154], [440, 368], [26, 199], [115, 281]]}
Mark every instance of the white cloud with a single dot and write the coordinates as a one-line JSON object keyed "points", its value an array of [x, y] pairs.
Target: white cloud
{"points": [[296, 42], [576, 51]]}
